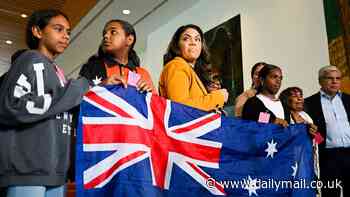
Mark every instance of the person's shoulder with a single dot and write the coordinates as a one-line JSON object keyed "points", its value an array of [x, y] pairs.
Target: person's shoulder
{"points": [[93, 61], [33, 53], [30, 55], [306, 116], [141, 69], [314, 96], [310, 103], [250, 92], [176, 63], [346, 94], [28, 59], [93, 65], [253, 100], [243, 97]]}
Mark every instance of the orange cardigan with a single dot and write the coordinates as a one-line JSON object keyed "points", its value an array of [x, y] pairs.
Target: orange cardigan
{"points": [[179, 82]]}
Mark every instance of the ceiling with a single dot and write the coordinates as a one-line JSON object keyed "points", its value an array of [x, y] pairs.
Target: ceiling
{"points": [[12, 25], [87, 19]]}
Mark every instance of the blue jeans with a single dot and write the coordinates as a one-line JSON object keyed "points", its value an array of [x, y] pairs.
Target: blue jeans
{"points": [[35, 191]]}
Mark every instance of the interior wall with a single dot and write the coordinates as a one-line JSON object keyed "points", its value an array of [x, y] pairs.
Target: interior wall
{"points": [[288, 33], [146, 16]]}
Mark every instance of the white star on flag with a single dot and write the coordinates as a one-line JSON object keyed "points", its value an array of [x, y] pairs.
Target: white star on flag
{"points": [[271, 149], [97, 80], [295, 169], [251, 186]]}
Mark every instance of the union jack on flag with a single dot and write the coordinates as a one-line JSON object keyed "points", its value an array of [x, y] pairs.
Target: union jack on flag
{"points": [[128, 143]]}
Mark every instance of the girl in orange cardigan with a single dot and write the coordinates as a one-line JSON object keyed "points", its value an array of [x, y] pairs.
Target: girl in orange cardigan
{"points": [[116, 59]]}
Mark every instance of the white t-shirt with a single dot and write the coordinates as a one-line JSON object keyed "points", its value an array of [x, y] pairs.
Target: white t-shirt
{"points": [[304, 115], [273, 105]]}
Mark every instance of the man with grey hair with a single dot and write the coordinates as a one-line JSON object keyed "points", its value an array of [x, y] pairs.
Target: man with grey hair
{"points": [[330, 111]]}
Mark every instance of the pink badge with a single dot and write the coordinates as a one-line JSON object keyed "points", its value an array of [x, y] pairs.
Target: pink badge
{"points": [[133, 78], [264, 117]]}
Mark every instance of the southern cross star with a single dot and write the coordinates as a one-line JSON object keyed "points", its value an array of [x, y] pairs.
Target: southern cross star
{"points": [[295, 169], [271, 149], [97, 80], [251, 186]]}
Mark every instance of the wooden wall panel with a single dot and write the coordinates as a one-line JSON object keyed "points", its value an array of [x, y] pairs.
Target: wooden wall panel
{"points": [[12, 26]]}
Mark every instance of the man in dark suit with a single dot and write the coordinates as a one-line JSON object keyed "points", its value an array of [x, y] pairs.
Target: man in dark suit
{"points": [[330, 111]]}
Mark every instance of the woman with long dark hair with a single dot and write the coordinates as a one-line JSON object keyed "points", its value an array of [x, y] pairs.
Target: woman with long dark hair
{"points": [[179, 81]]}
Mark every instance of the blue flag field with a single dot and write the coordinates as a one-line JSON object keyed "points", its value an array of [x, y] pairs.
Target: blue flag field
{"points": [[132, 144]]}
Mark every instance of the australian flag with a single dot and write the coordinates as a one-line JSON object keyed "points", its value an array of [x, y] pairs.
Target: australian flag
{"points": [[132, 144]]}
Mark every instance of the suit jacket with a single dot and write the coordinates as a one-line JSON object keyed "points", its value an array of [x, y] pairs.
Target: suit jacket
{"points": [[313, 107], [180, 83]]}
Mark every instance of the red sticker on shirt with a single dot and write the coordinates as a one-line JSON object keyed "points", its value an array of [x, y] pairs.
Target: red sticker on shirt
{"points": [[318, 138]]}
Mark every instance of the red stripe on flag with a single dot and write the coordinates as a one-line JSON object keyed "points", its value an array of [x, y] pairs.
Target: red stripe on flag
{"points": [[198, 124], [206, 177], [96, 181], [94, 97], [99, 134]]}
